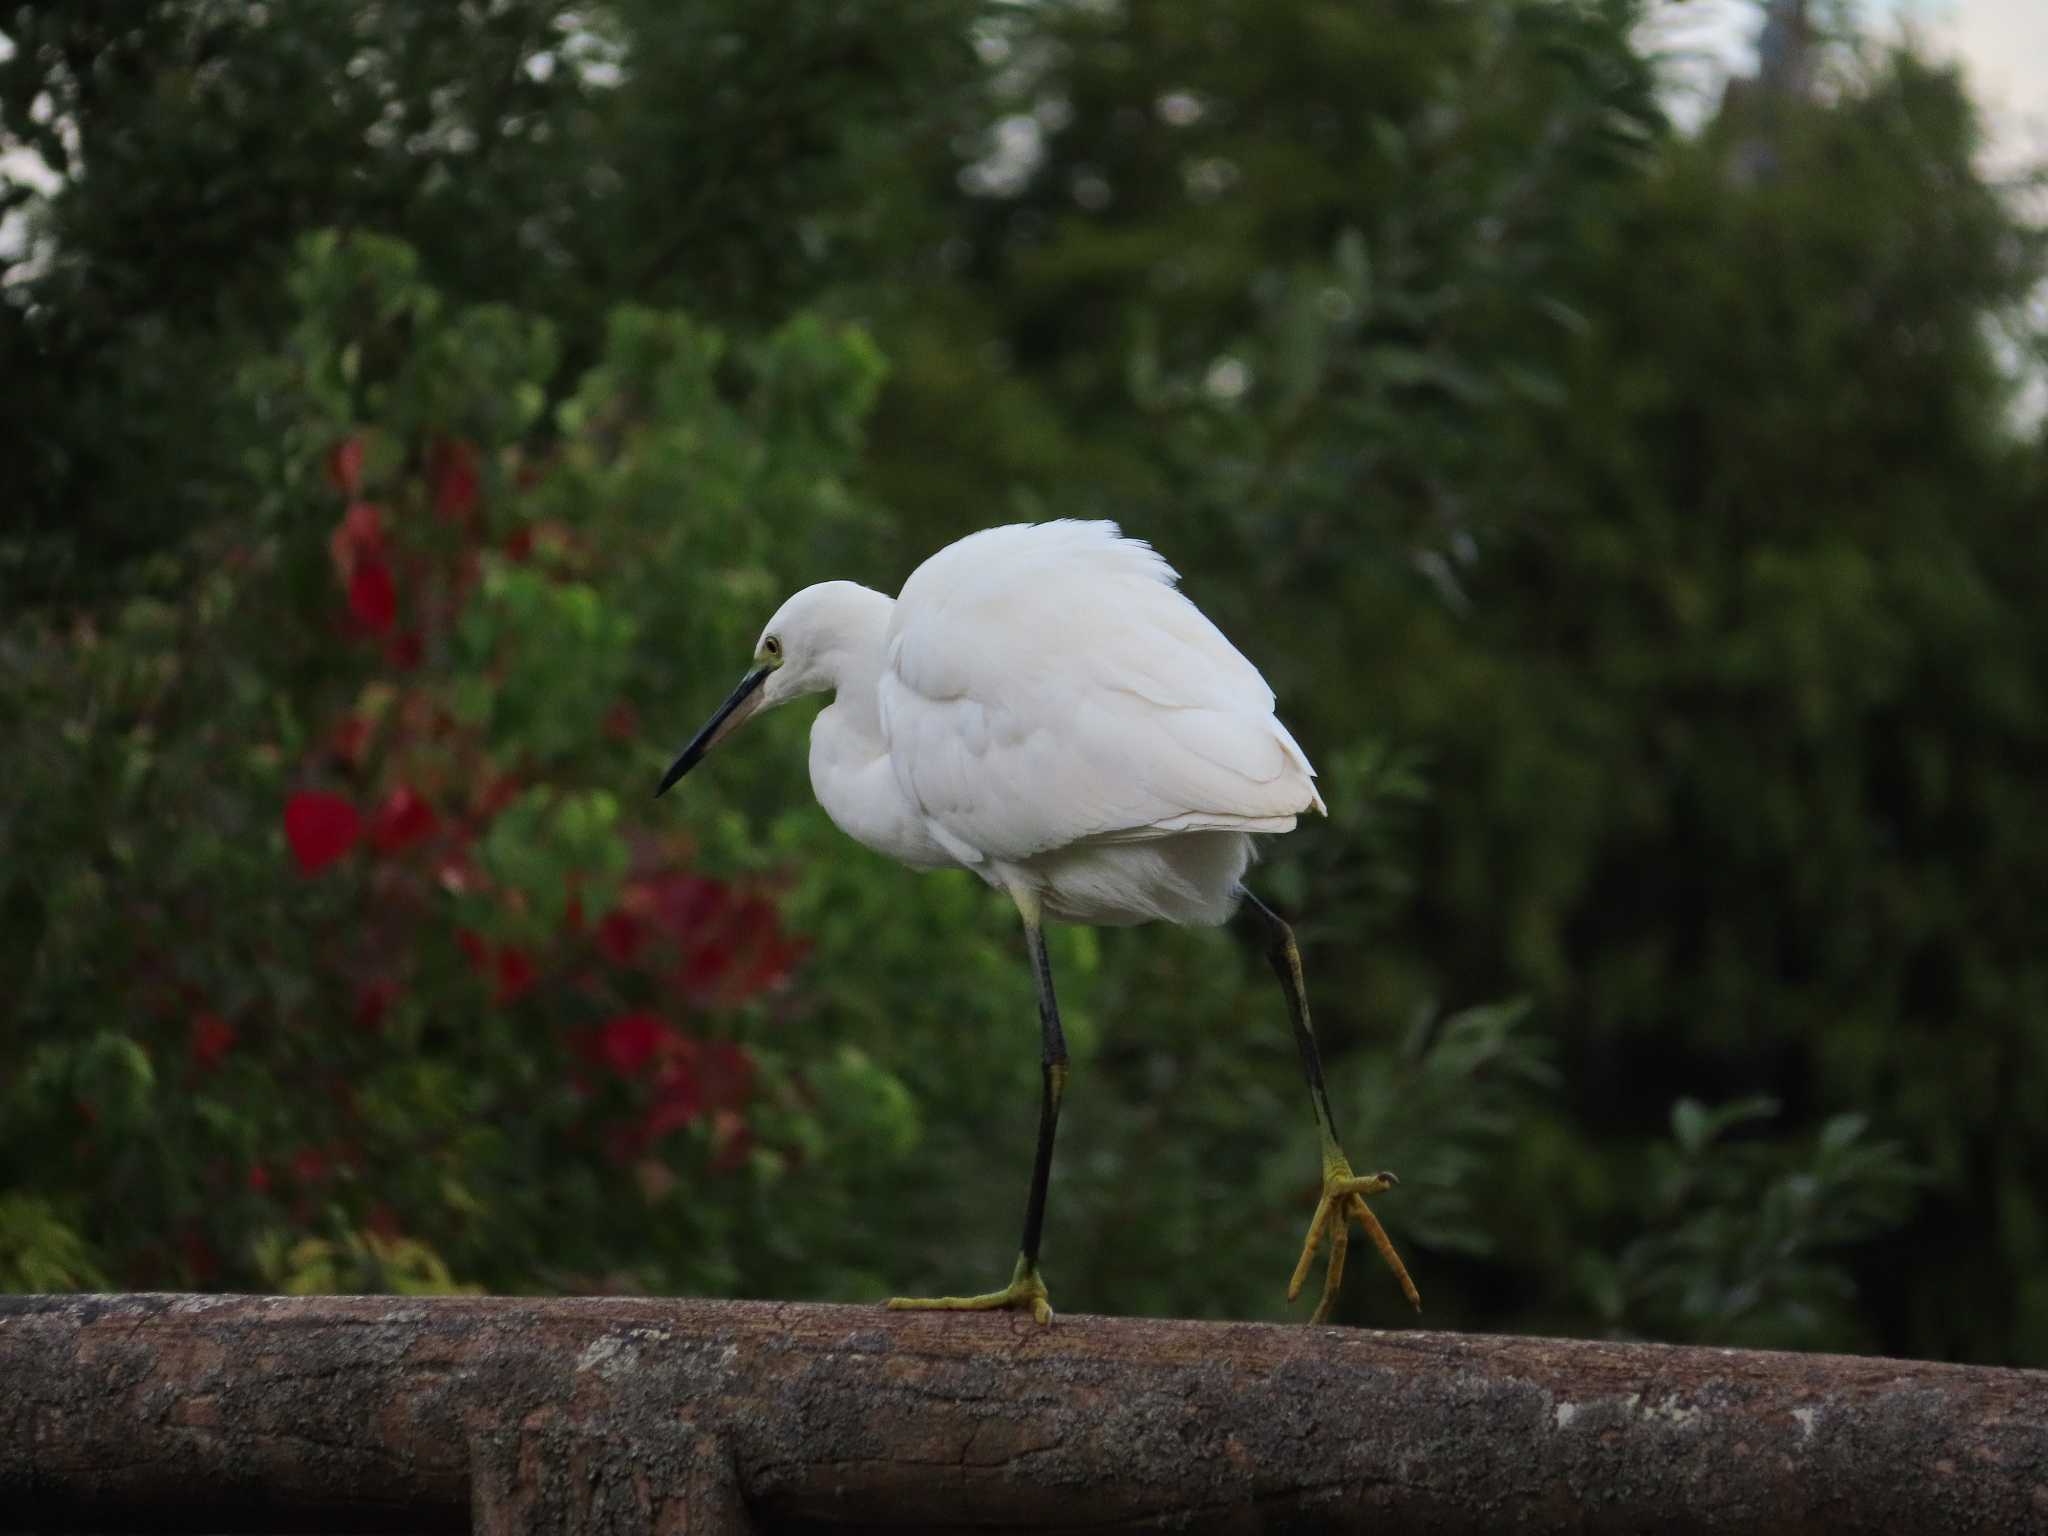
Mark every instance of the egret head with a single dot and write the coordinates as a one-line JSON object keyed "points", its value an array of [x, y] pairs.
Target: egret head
{"points": [[802, 650]]}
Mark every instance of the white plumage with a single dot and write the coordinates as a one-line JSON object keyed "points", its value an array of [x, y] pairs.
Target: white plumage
{"points": [[1043, 706]]}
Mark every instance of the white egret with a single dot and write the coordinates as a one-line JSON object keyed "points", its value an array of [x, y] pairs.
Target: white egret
{"points": [[1043, 706]]}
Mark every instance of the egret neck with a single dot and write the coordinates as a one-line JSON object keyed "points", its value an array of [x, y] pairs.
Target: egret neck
{"points": [[852, 773], [849, 629]]}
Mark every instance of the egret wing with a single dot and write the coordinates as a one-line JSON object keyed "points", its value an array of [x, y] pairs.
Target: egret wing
{"points": [[1046, 684]]}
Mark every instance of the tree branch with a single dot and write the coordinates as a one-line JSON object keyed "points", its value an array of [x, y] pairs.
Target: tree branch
{"points": [[639, 1415]]}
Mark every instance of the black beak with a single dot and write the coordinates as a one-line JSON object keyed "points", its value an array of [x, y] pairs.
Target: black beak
{"points": [[729, 715]]}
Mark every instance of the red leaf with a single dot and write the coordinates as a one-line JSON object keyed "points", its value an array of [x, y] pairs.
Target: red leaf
{"points": [[454, 470], [473, 946], [259, 1179], [703, 969], [320, 827], [406, 650], [212, 1037], [621, 723], [774, 959], [496, 795], [679, 1094], [373, 1002], [620, 937], [360, 533], [402, 820], [627, 1043], [372, 595], [309, 1165], [345, 465], [519, 547], [515, 973], [684, 903]]}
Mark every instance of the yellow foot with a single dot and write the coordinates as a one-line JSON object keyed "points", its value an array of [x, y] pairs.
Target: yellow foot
{"points": [[1344, 1202], [1025, 1290]]}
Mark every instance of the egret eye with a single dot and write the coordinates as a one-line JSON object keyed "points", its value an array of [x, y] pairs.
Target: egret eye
{"points": [[772, 646]]}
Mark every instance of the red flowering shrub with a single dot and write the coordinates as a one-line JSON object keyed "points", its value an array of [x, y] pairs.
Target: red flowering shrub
{"points": [[321, 829], [484, 999], [402, 820], [372, 595], [628, 1042]]}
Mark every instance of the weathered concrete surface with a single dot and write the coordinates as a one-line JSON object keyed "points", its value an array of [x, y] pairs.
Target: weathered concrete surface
{"points": [[248, 1413]]}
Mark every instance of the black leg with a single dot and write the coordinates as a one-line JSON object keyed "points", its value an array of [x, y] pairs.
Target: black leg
{"points": [[1343, 1199], [1053, 1064], [1285, 958], [1026, 1288]]}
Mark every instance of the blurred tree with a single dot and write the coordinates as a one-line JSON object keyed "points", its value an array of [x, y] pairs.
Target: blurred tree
{"points": [[334, 956], [1640, 545], [513, 145], [1736, 734], [1673, 510]]}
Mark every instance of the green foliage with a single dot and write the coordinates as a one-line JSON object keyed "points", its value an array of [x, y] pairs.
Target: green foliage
{"points": [[413, 664], [1733, 739], [511, 145], [357, 1262], [40, 1253], [1446, 1106], [1737, 1233], [431, 402], [1669, 505], [552, 653]]}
